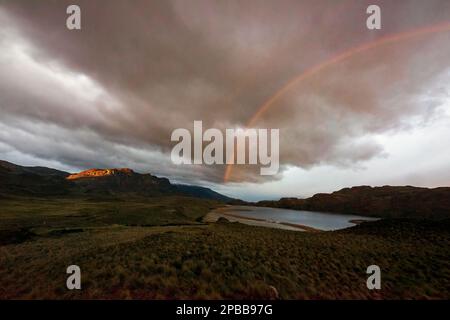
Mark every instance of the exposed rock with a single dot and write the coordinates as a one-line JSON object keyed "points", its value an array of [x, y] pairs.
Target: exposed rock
{"points": [[100, 173], [223, 220], [274, 293], [112, 181]]}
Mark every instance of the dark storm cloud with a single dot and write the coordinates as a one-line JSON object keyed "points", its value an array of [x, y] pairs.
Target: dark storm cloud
{"points": [[111, 94]]}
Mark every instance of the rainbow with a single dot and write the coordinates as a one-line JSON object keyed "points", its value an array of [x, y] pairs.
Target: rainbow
{"points": [[386, 40]]}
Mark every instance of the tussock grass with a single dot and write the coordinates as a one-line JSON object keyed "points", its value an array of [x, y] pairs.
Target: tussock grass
{"points": [[216, 261]]}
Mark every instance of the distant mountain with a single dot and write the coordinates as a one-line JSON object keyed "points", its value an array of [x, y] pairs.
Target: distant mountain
{"points": [[387, 201], [201, 192], [41, 181]]}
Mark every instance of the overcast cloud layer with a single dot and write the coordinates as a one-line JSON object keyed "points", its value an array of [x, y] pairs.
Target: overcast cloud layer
{"points": [[111, 94]]}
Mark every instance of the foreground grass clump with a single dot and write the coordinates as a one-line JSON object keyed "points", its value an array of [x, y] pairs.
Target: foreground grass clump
{"points": [[226, 260]]}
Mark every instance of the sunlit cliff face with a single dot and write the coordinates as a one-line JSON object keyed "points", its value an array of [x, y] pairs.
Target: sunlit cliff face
{"points": [[100, 173], [354, 106]]}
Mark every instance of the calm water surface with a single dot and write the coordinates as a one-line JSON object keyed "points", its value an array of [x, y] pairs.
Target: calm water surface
{"points": [[317, 220]]}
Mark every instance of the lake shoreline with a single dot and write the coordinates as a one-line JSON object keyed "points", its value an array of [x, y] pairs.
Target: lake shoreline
{"points": [[231, 213], [299, 226]]}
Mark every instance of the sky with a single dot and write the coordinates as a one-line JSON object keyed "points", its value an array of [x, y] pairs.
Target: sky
{"points": [[354, 106]]}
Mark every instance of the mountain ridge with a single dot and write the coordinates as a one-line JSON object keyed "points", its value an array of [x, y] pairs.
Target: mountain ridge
{"points": [[383, 202], [42, 181]]}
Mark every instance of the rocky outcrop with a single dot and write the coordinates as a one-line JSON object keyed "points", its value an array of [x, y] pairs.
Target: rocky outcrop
{"points": [[100, 173], [123, 180]]}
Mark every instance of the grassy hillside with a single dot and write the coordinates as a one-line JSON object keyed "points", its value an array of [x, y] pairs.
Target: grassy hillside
{"points": [[130, 249]]}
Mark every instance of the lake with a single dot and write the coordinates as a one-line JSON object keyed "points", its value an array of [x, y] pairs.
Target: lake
{"points": [[285, 218]]}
